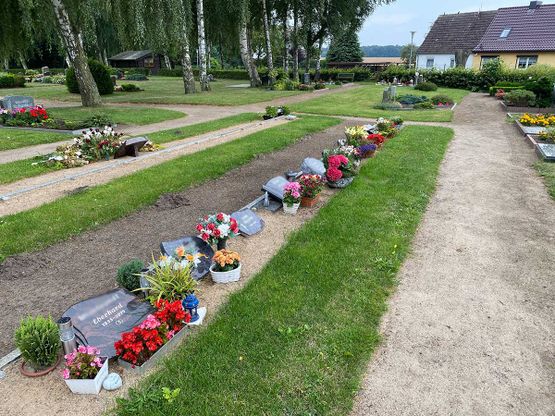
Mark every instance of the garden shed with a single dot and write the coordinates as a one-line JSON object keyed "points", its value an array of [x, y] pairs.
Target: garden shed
{"points": [[137, 59]]}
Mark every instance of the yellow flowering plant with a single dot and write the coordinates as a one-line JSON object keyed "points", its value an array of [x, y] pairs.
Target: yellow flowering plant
{"points": [[538, 120], [548, 135], [226, 260]]}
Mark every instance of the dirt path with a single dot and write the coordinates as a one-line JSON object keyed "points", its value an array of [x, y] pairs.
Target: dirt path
{"points": [[48, 281], [51, 186], [470, 330]]}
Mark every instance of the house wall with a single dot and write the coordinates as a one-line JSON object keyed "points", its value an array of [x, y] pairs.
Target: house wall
{"points": [[544, 58], [441, 62]]}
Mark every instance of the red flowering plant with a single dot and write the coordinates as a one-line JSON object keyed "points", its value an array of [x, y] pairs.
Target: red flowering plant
{"points": [[311, 185], [28, 116], [376, 138], [139, 344], [218, 227], [337, 166]]}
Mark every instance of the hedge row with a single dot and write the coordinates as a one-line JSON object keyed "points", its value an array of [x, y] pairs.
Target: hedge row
{"points": [[11, 81]]}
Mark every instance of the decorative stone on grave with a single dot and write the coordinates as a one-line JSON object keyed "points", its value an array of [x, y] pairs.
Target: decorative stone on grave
{"points": [[313, 166], [131, 147], [275, 187], [100, 321], [249, 223], [13, 102], [192, 245], [547, 151], [45, 70]]}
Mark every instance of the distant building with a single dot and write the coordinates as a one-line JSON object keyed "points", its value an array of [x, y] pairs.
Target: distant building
{"points": [[136, 59], [372, 63], [520, 37], [452, 39]]}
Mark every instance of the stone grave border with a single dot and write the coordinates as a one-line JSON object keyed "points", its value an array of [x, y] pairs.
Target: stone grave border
{"points": [[530, 138]]}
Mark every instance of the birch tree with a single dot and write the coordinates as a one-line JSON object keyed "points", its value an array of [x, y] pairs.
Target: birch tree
{"points": [[267, 37], [203, 70]]}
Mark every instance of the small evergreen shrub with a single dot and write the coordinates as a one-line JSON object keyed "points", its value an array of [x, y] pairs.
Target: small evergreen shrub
{"points": [[426, 86], [409, 99], [11, 81], [130, 88], [136, 77], [426, 105], [442, 99], [389, 106], [127, 275], [520, 98], [101, 76], [39, 341]]}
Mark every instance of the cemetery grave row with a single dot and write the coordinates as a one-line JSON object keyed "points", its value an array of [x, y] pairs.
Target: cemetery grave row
{"points": [[151, 312], [539, 130]]}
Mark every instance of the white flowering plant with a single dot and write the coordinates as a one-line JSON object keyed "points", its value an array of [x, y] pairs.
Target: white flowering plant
{"points": [[213, 228]]}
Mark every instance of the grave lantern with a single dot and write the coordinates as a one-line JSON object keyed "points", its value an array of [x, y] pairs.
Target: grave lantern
{"points": [[190, 304], [67, 335], [145, 284]]}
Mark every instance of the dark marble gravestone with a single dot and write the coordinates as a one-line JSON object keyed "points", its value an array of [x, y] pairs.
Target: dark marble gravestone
{"points": [[192, 245], [100, 321], [13, 102], [249, 223], [131, 147], [275, 187]]}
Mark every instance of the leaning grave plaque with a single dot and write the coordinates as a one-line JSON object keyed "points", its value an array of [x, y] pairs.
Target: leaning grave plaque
{"points": [[131, 147], [249, 223], [192, 245], [12, 102], [275, 186], [100, 321], [313, 166]]}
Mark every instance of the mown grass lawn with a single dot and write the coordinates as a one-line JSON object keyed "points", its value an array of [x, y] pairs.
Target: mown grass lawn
{"points": [[27, 168], [119, 115], [296, 340], [547, 171], [71, 215], [360, 102], [14, 138], [165, 90]]}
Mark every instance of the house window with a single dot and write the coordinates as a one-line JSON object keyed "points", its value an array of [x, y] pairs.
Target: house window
{"points": [[524, 61], [430, 63], [452, 62], [486, 59], [505, 33]]}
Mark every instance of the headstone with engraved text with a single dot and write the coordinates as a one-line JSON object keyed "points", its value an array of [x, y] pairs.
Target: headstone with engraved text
{"points": [[13, 102], [249, 223]]}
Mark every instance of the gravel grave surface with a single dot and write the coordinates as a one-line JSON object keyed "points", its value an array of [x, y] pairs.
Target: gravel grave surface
{"points": [[470, 329]]}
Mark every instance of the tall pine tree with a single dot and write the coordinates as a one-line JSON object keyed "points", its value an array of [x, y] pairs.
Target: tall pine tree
{"points": [[345, 48]]}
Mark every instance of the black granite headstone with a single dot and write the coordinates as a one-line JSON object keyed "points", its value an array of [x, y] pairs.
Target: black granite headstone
{"points": [[131, 147], [192, 245], [100, 321], [13, 102], [249, 223]]}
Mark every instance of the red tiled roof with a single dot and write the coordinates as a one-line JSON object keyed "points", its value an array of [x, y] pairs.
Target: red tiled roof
{"points": [[452, 32], [530, 30]]}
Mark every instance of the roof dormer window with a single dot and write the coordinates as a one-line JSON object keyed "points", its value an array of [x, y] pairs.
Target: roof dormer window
{"points": [[505, 33]]}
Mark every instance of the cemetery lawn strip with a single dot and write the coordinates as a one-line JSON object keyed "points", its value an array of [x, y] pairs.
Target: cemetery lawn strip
{"points": [[297, 338], [14, 139], [547, 171], [118, 115], [179, 133], [21, 169], [68, 216], [359, 102]]}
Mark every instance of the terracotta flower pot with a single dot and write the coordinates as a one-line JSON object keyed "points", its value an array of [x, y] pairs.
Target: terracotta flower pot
{"points": [[307, 202], [39, 373]]}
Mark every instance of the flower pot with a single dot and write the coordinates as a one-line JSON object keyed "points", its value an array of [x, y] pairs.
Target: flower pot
{"points": [[38, 373], [341, 183], [291, 209], [225, 277], [93, 386], [308, 202], [222, 244]]}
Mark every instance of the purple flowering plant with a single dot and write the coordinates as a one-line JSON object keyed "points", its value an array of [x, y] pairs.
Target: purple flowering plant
{"points": [[83, 363]]}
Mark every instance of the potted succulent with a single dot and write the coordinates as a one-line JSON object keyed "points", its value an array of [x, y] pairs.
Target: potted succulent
{"points": [[311, 186], [38, 339], [140, 348], [217, 229], [291, 197], [226, 267], [85, 370]]}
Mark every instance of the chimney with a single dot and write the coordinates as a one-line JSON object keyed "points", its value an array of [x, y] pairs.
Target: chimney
{"points": [[535, 5]]}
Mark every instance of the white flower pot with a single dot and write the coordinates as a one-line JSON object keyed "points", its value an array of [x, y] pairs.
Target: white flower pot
{"points": [[93, 386], [292, 209], [225, 277]]}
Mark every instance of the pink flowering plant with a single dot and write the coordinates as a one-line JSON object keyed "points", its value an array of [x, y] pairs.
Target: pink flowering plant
{"points": [[292, 193], [83, 363]]}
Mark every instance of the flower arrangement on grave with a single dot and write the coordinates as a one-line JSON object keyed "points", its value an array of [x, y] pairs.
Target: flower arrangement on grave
{"points": [[291, 197], [397, 121], [367, 150], [24, 117], [217, 229], [500, 94], [169, 278], [355, 135], [139, 344], [311, 186], [548, 135], [83, 363], [386, 127], [538, 120], [377, 139], [226, 267], [337, 167]]}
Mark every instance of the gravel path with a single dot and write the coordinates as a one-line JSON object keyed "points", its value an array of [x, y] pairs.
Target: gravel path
{"points": [[470, 330]]}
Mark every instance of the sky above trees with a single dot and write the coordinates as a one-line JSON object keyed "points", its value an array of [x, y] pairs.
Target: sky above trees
{"points": [[392, 24]]}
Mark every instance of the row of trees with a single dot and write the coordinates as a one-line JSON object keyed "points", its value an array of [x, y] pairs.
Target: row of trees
{"points": [[174, 28]]}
